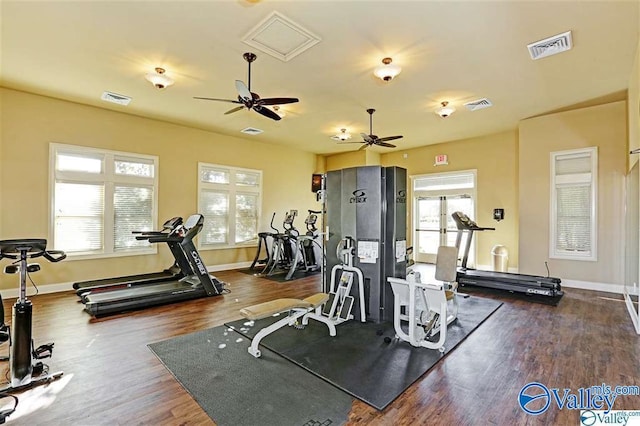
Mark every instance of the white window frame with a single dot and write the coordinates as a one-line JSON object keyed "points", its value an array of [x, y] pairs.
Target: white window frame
{"points": [[231, 189], [109, 179], [576, 179]]}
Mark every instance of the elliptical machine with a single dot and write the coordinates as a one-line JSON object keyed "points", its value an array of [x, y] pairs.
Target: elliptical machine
{"points": [[23, 373], [308, 248]]}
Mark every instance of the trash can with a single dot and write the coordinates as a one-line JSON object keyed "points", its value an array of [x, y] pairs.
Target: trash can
{"points": [[500, 256]]}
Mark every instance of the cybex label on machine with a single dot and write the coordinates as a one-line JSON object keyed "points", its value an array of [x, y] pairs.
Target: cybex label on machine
{"points": [[402, 196], [359, 196], [198, 261], [536, 291]]}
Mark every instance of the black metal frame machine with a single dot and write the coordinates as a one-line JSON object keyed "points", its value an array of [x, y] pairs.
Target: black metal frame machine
{"points": [[179, 269], [199, 284], [23, 372], [519, 283]]}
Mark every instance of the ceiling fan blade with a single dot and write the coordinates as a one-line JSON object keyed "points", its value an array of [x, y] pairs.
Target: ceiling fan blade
{"points": [[389, 138], [266, 112], [344, 142], [278, 101], [216, 99], [243, 91], [236, 109], [367, 138], [387, 145], [364, 146]]}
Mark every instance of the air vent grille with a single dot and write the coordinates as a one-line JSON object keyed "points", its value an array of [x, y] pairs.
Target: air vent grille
{"points": [[478, 104], [251, 131], [115, 98], [550, 46]]}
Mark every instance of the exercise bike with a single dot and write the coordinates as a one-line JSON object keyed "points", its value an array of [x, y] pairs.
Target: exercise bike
{"points": [[23, 372]]}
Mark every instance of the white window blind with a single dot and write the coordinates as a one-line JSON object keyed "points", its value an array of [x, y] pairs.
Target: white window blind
{"points": [[99, 198], [230, 199], [573, 204], [79, 217], [133, 211]]}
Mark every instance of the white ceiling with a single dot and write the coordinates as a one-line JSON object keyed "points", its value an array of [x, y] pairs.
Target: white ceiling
{"points": [[449, 51]]}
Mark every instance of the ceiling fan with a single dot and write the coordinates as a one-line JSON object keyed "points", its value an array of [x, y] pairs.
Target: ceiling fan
{"points": [[251, 100], [372, 139]]}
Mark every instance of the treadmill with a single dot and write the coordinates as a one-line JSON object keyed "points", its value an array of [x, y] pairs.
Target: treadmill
{"points": [[179, 268], [518, 283], [199, 284]]}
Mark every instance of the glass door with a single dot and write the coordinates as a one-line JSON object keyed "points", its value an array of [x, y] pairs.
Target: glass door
{"points": [[428, 229], [434, 225]]}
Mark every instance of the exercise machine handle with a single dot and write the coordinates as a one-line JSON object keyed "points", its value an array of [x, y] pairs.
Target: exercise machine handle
{"points": [[54, 255]]}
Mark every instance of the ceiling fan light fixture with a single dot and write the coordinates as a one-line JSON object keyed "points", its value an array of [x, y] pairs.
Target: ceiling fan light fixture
{"points": [[342, 136], [159, 79], [387, 71], [445, 110]]}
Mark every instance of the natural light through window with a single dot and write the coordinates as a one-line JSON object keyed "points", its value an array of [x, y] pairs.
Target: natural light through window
{"points": [[229, 198], [99, 198]]}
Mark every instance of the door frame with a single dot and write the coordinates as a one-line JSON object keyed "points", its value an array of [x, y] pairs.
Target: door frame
{"points": [[446, 189]]}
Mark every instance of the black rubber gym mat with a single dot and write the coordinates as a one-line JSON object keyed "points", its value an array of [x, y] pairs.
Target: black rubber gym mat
{"points": [[234, 388], [359, 360]]}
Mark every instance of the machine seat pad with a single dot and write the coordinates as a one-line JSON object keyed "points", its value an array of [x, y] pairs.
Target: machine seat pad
{"points": [[267, 309]]}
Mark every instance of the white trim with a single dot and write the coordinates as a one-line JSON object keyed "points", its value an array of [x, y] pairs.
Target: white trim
{"points": [[417, 194], [575, 179], [13, 293], [228, 266], [634, 312], [109, 179], [232, 189], [594, 286]]}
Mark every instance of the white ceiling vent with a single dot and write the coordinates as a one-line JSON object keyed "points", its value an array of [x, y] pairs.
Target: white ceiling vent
{"points": [[251, 131], [550, 46], [280, 37], [478, 104], [115, 98]]}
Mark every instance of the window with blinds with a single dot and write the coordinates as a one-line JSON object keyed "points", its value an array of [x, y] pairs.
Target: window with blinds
{"points": [[230, 199], [99, 198], [573, 204]]}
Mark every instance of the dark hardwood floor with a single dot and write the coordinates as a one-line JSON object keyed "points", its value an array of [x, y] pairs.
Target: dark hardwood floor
{"points": [[111, 377]]}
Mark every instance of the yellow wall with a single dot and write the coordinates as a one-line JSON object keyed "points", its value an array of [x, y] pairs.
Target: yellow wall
{"points": [[345, 160], [30, 122], [603, 126], [366, 157], [495, 159]]}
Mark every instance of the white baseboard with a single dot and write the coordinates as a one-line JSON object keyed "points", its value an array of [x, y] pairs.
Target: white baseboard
{"points": [[588, 285], [228, 266], [634, 311], [42, 289]]}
